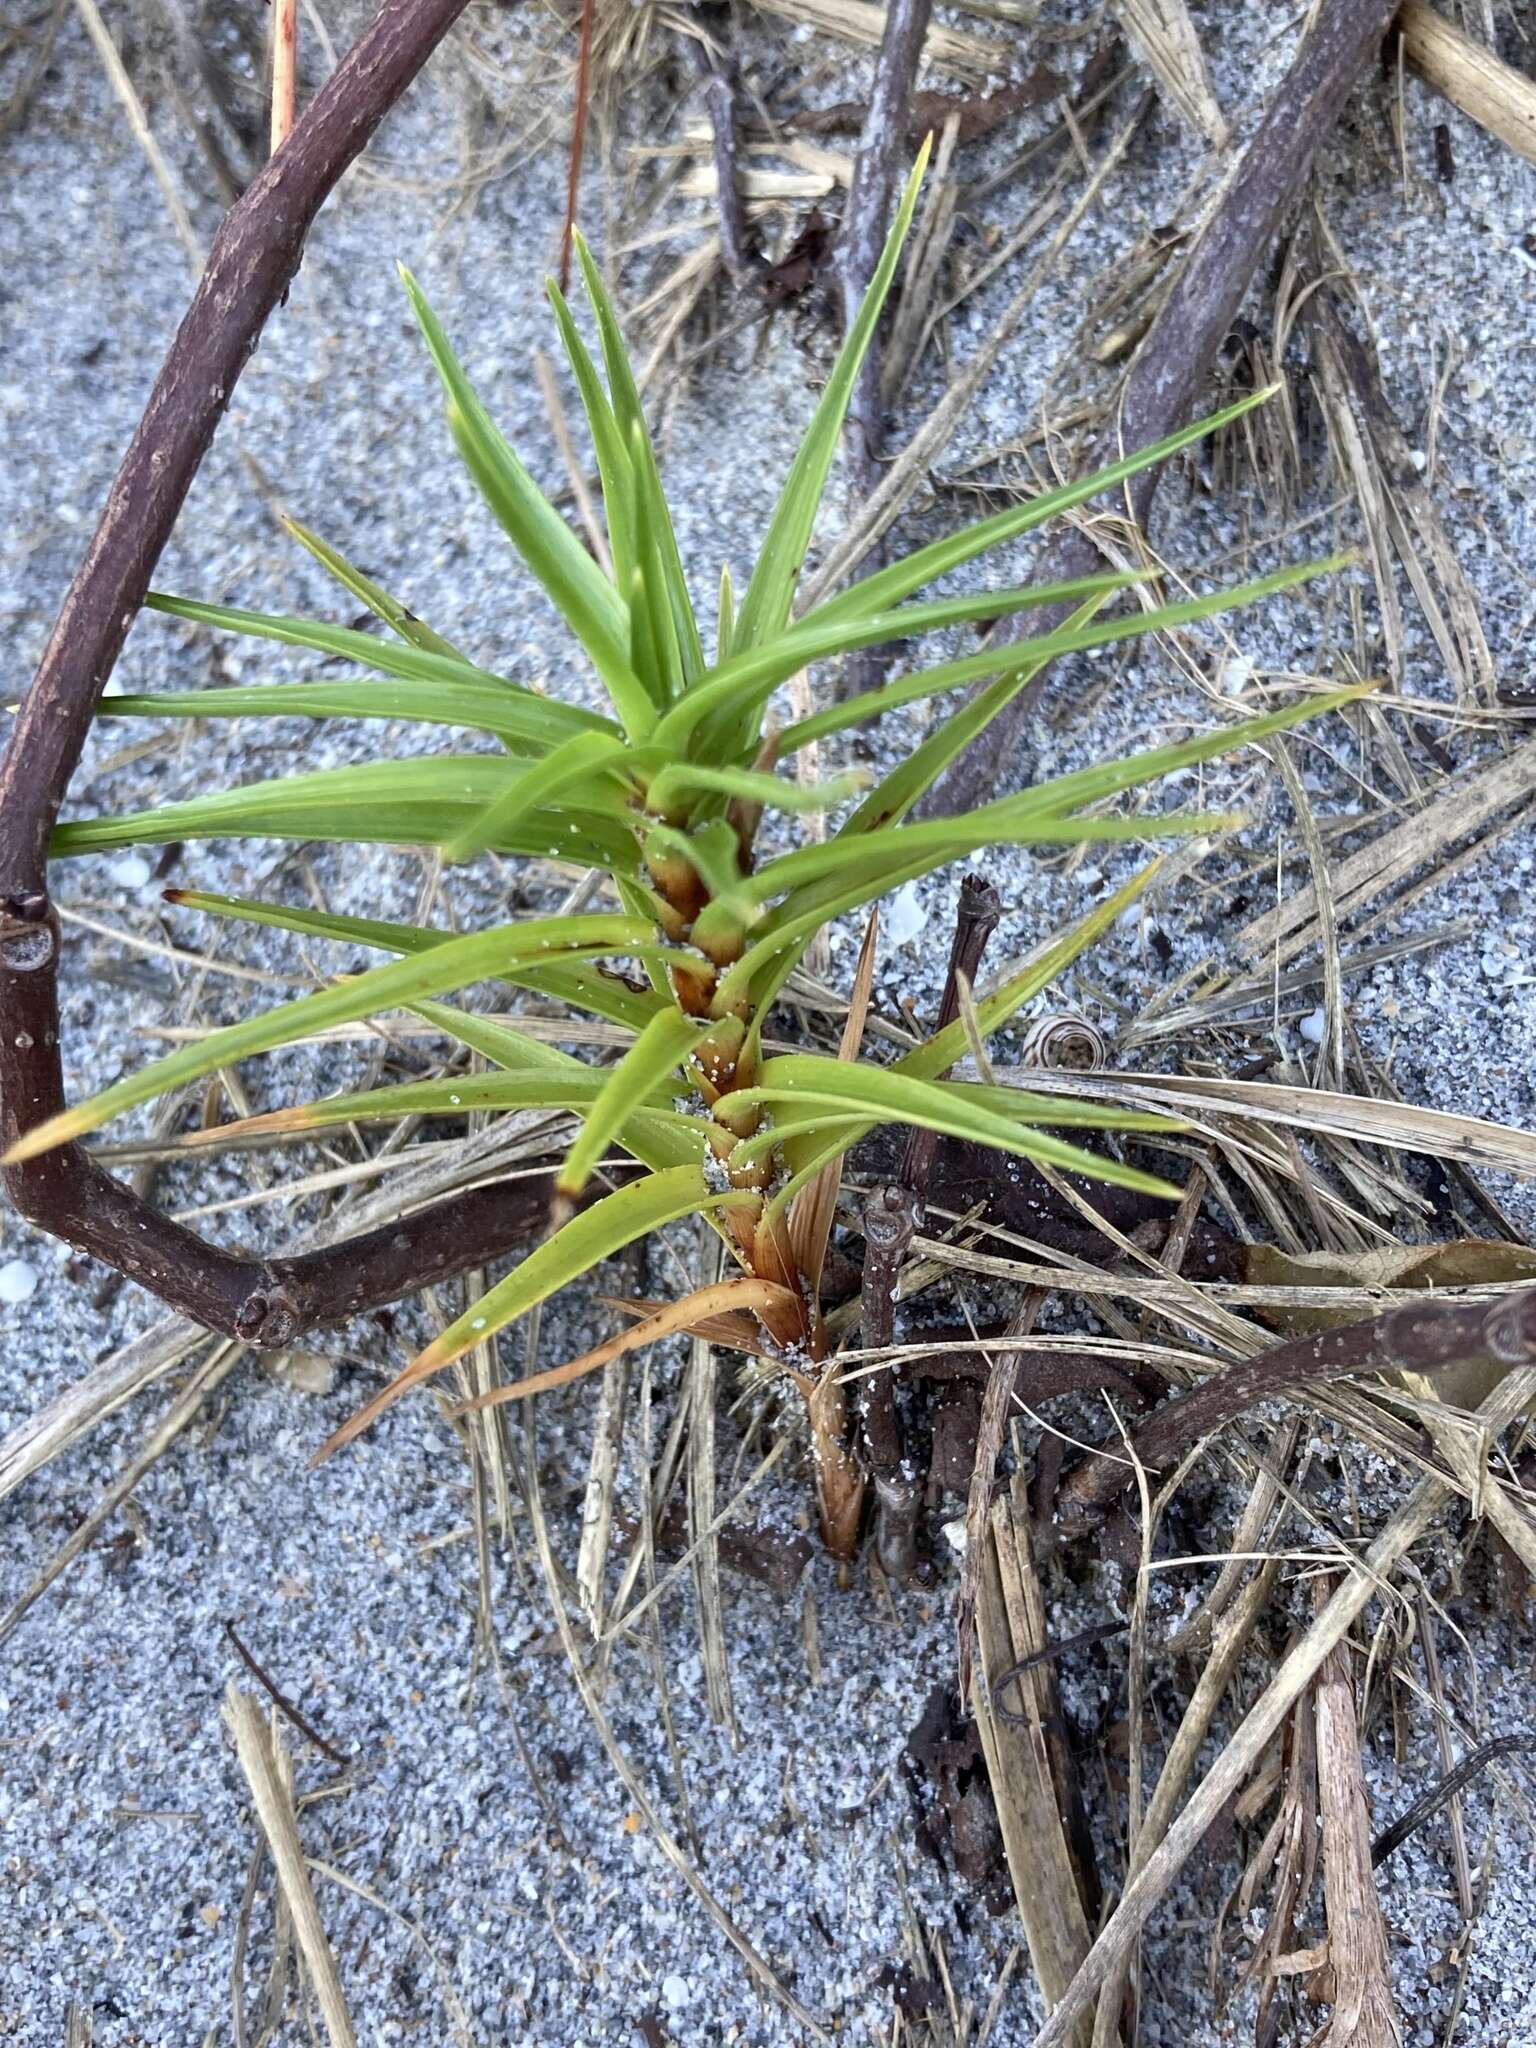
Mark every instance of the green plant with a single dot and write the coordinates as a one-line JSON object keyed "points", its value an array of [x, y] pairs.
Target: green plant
{"points": [[664, 795]]}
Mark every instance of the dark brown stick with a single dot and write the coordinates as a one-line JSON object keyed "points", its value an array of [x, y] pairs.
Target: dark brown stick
{"points": [[890, 1218], [720, 99], [1172, 364], [876, 168], [892, 1213], [1392, 1838], [866, 221], [976, 918], [1425, 1337], [253, 261]]}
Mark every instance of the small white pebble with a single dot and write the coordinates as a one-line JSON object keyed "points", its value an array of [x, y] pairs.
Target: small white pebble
{"points": [[954, 1535], [131, 872], [1313, 1026], [675, 1991], [18, 1282]]}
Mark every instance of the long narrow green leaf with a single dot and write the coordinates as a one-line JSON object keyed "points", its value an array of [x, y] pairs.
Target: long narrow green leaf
{"points": [[914, 776], [313, 924], [658, 1052], [582, 594], [912, 572], [580, 985], [613, 464], [573, 1089], [749, 678], [588, 761], [524, 723], [977, 1115], [1013, 822], [766, 605], [421, 801], [398, 617], [601, 991], [658, 1138], [498, 1040], [822, 1144], [785, 933], [916, 773], [482, 956], [345, 643], [1072, 638], [893, 1090], [652, 517], [774, 792], [592, 1235]]}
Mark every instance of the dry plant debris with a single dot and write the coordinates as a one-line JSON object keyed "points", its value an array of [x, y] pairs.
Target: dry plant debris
{"points": [[1186, 1352]]}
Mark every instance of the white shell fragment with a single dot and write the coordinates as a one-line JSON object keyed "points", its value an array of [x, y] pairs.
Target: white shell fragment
{"points": [[18, 1282], [904, 916]]}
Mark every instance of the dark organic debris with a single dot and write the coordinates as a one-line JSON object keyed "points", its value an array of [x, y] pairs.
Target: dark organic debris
{"points": [[1472, 1765], [975, 114], [946, 1775]]}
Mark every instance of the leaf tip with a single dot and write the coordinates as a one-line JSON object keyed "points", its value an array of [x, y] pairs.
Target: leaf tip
{"points": [[44, 1137]]}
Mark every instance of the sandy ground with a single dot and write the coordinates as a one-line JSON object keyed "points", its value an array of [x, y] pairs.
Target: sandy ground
{"points": [[489, 1878]]}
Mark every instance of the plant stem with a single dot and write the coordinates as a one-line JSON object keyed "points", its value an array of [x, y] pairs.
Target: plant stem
{"points": [[250, 268], [1424, 1337]]}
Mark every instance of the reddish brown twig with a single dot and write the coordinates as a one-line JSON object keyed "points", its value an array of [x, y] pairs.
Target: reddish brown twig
{"points": [[1172, 365], [578, 140], [252, 263], [1426, 1337], [280, 1699]]}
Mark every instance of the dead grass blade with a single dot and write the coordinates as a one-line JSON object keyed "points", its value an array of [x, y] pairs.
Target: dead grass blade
{"points": [[1398, 506], [1229, 1637], [260, 1750], [138, 123], [995, 1404], [1364, 2011], [597, 1505], [677, 1318], [1010, 1626], [1470, 76], [701, 1387], [960, 52], [213, 1371], [1164, 34], [1242, 1754], [44, 1435], [1465, 805], [1400, 1126], [632, 1781]]}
